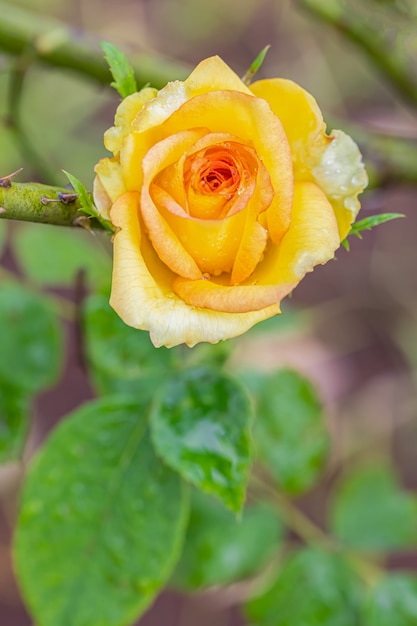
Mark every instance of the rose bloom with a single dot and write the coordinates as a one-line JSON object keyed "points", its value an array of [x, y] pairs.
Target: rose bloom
{"points": [[222, 196]]}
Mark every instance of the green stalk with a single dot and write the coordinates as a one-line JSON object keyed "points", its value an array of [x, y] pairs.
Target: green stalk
{"points": [[33, 202]]}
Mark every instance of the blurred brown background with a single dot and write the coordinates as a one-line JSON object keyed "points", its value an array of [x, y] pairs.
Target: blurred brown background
{"points": [[351, 324]]}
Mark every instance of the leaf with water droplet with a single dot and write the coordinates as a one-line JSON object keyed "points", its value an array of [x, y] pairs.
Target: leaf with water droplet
{"points": [[291, 437], [385, 521], [102, 519], [312, 588], [200, 427]]}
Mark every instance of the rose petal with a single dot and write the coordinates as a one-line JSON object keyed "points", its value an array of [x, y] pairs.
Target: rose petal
{"points": [[255, 237], [144, 299], [126, 112], [111, 179], [312, 238], [252, 120], [102, 199], [341, 174], [212, 244], [237, 299], [333, 162], [165, 241], [213, 74]]}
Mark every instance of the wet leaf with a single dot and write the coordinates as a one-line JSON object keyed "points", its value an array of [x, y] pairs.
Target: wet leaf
{"points": [[313, 588], [200, 427], [290, 432], [371, 512], [102, 520]]}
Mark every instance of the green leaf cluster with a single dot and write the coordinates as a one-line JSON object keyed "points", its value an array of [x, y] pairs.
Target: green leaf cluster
{"points": [[148, 485]]}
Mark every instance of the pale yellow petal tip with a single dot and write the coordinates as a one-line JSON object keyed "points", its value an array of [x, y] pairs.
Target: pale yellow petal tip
{"points": [[341, 172], [213, 74], [157, 110], [125, 114]]}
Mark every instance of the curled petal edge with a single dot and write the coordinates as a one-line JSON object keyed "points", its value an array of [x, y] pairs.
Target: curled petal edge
{"points": [[144, 303]]}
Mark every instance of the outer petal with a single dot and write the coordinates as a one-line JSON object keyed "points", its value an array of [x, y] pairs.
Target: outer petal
{"points": [[333, 162], [341, 174], [148, 303], [311, 239], [213, 74], [300, 116], [109, 184], [101, 199], [210, 75], [240, 299], [126, 112]]}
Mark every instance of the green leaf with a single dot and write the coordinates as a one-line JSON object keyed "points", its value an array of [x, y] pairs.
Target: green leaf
{"points": [[369, 222], [371, 512], [122, 72], [86, 202], [30, 339], [14, 414], [220, 550], [200, 427], [101, 522], [313, 588], [53, 256], [290, 432], [117, 350], [256, 65], [393, 602]]}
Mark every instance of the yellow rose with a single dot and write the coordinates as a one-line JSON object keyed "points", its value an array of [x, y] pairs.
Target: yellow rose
{"points": [[222, 196]]}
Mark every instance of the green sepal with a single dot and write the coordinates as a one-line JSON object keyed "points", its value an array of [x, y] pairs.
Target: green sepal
{"points": [[122, 72], [87, 205], [368, 223], [256, 65]]}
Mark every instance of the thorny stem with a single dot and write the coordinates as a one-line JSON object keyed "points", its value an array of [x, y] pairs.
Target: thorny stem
{"points": [[33, 202]]}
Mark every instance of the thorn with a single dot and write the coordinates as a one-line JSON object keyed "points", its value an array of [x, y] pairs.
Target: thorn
{"points": [[67, 198], [46, 200], [6, 181], [84, 222]]}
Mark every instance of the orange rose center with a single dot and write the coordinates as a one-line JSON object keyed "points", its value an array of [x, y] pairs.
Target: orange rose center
{"points": [[218, 173]]}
